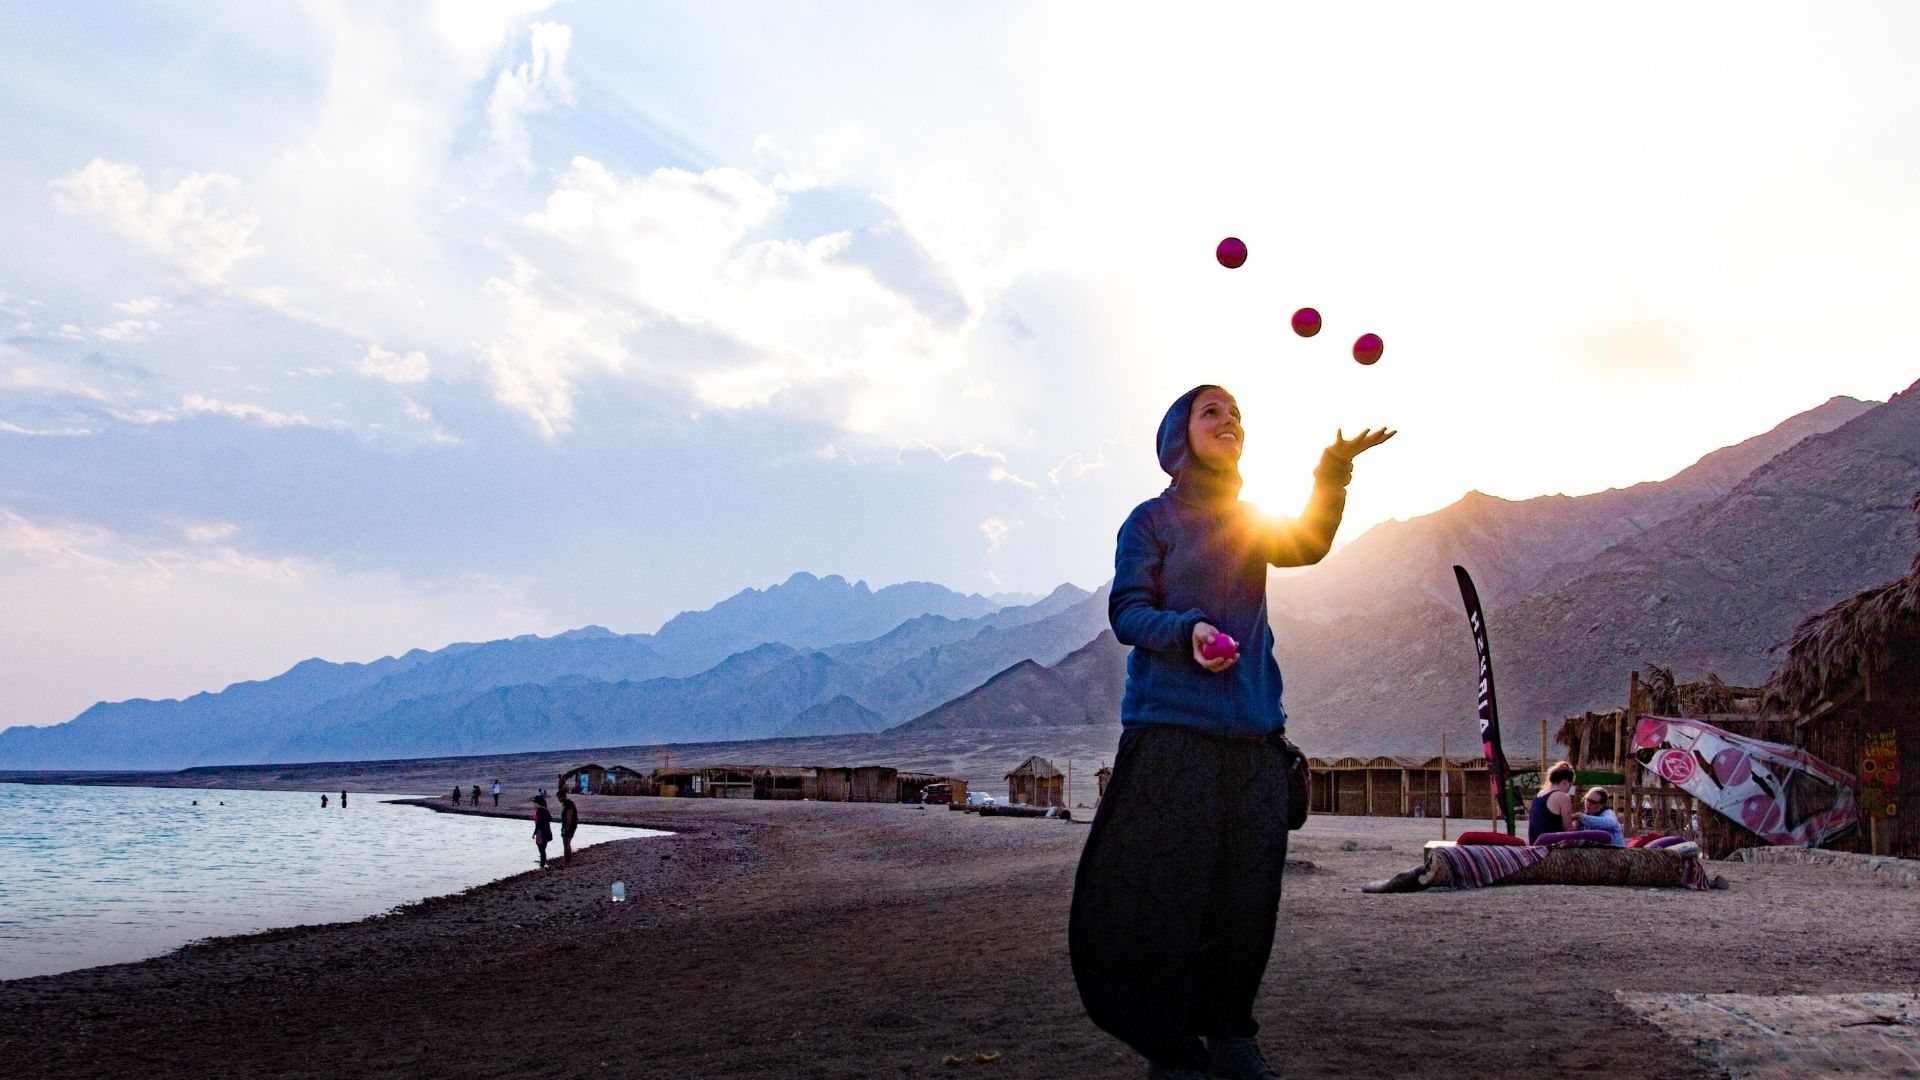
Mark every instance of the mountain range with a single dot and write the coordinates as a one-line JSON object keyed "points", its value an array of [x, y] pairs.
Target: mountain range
{"points": [[1702, 571]]}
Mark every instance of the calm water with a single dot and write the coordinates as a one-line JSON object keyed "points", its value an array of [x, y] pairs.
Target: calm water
{"points": [[103, 875]]}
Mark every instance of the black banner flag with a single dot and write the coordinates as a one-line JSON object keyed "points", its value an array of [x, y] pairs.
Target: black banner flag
{"points": [[1497, 770]]}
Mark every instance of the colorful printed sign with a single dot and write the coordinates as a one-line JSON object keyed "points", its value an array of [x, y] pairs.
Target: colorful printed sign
{"points": [[1879, 774], [1781, 793]]}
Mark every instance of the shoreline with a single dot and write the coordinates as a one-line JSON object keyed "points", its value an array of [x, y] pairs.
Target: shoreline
{"points": [[848, 940]]}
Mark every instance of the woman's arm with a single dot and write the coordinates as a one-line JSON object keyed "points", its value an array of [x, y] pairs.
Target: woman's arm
{"points": [[1133, 607], [1306, 539]]}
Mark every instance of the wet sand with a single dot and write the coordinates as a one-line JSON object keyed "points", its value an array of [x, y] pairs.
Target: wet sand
{"points": [[852, 940]]}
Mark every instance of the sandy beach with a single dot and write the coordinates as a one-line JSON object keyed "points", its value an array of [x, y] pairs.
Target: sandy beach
{"points": [[855, 940]]}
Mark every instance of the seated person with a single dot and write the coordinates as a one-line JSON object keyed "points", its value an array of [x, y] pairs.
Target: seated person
{"points": [[1552, 809], [1599, 815]]}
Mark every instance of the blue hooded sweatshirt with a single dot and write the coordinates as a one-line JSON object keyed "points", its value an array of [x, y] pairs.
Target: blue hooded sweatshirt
{"points": [[1194, 554]]}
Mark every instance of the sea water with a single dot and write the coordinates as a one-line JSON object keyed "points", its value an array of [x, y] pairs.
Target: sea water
{"points": [[104, 875]]}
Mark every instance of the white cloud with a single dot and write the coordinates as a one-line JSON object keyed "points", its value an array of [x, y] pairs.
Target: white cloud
{"points": [[194, 223], [996, 532], [16, 429], [142, 306], [393, 367], [665, 278], [533, 86], [26, 378], [199, 403], [127, 331], [117, 616], [201, 534]]}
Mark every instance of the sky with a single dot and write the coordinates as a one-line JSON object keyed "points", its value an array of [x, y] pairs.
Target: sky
{"points": [[341, 328]]}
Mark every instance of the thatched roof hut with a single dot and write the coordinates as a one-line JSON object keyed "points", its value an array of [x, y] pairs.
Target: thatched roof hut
{"points": [[1849, 682], [1035, 782]]}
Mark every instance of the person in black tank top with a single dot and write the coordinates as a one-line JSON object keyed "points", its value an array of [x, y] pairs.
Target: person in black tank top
{"points": [[1552, 809]]}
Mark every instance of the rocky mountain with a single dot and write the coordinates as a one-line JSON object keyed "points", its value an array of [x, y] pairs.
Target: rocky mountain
{"points": [[1516, 547], [1710, 589], [1082, 689]]}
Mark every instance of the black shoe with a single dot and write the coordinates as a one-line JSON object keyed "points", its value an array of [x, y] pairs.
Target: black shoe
{"points": [[1157, 1071], [1239, 1059]]}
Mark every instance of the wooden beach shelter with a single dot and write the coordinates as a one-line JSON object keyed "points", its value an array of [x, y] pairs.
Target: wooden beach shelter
{"points": [[859, 783], [583, 779], [626, 780], [1035, 782], [788, 782], [1848, 687], [1398, 786]]}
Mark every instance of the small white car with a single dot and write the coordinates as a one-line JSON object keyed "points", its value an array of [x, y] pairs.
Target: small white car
{"points": [[981, 798]]}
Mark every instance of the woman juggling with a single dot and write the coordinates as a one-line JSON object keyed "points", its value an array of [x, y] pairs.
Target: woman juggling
{"points": [[1178, 889]]}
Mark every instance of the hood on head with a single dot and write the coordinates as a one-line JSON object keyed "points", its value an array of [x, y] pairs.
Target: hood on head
{"points": [[1175, 453]]}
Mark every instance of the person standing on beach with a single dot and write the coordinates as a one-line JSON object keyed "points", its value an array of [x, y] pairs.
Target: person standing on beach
{"points": [[569, 824], [542, 828], [496, 793], [1178, 890], [476, 796], [323, 800], [343, 798]]}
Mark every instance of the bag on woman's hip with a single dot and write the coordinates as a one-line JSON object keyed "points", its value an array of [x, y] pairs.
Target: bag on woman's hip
{"points": [[1299, 783]]}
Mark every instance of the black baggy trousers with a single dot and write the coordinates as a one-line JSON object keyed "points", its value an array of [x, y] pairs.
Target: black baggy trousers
{"points": [[1178, 890]]}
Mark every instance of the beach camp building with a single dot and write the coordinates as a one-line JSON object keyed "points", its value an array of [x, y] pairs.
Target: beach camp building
{"points": [[1848, 692], [1035, 782], [913, 783], [626, 780], [788, 782], [1398, 786], [583, 779], [859, 783]]}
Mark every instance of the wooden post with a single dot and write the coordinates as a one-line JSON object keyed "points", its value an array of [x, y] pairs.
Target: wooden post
{"points": [[1543, 751], [1405, 807], [1443, 785]]}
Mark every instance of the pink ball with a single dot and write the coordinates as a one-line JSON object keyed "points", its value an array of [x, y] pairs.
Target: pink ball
{"points": [[1220, 648], [1231, 252], [1306, 322], [1368, 348]]}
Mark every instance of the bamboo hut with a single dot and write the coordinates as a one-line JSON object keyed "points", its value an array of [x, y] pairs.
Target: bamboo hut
{"points": [[786, 782], [913, 783], [1849, 688], [625, 780], [1389, 786], [1035, 782], [859, 783], [583, 779]]}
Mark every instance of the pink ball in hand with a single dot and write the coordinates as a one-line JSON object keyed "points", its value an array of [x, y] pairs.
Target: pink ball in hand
{"points": [[1221, 647]]}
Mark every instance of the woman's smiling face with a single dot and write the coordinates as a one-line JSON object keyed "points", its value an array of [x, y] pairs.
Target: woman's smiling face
{"points": [[1213, 429]]}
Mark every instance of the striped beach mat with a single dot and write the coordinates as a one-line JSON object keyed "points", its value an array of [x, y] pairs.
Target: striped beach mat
{"points": [[1475, 866]]}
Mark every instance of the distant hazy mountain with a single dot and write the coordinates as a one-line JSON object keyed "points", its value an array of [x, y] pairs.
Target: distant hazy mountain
{"points": [[809, 612], [1710, 589], [1082, 689], [355, 710]]}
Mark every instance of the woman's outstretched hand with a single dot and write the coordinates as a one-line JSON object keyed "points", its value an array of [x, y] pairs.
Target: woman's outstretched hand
{"points": [[1347, 449], [1203, 633]]}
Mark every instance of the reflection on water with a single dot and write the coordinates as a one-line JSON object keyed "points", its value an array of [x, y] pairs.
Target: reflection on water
{"points": [[102, 875]]}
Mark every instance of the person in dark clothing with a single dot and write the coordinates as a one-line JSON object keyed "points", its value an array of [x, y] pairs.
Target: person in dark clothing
{"points": [[323, 801], [1552, 809], [542, 828], [456, 794], [1178, 889], [569, 824], [476, 795], [343, 798]]}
